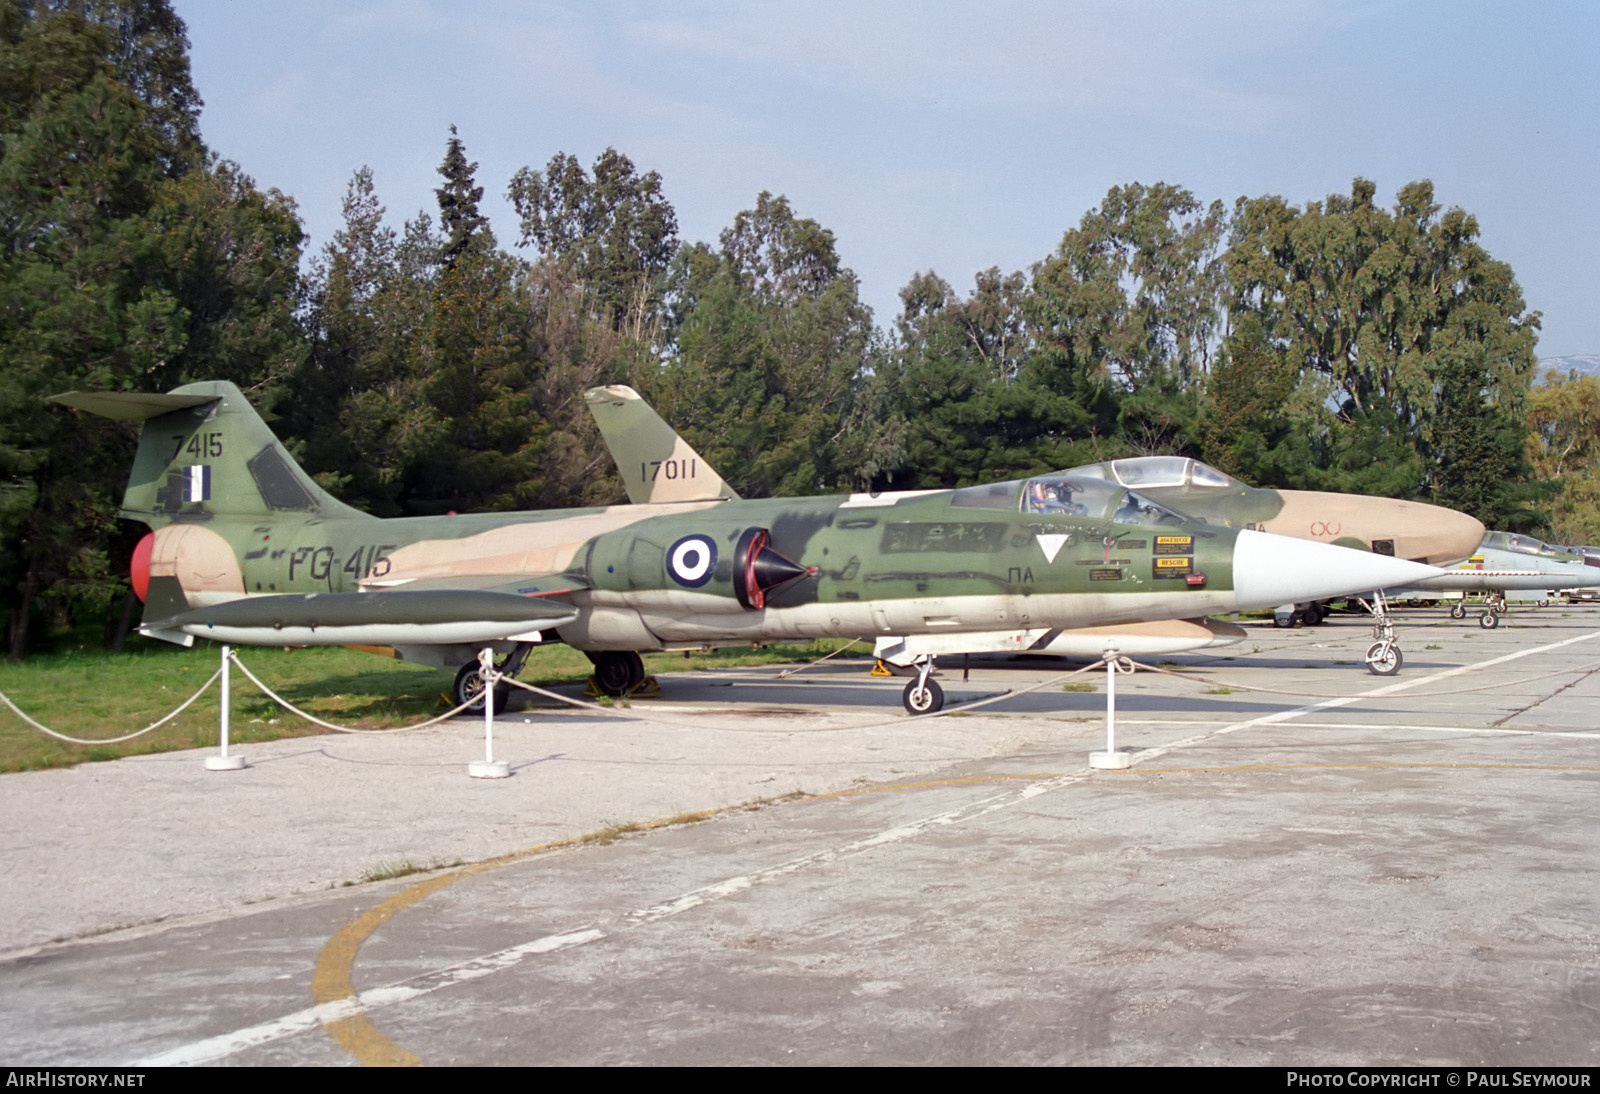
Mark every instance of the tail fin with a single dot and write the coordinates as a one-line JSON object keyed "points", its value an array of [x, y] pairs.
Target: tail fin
{"points": [[204, 452], [656, 463]]}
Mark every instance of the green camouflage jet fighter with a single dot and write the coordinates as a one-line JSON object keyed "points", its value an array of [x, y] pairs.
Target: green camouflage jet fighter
{"points": [[657, 465], [247, 549]]}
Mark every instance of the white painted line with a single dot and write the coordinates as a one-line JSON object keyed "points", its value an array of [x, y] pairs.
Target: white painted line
{"points": [[697, 897], [1579, 733], [1494, 730], [215, 1048], [1333, 704]]}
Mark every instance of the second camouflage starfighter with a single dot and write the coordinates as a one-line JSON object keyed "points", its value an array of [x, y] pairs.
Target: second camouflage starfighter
{"points": [[247, 549]]}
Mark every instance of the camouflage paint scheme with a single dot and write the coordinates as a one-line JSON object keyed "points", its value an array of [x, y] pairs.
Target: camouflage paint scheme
{"points": [[247, 549], [960, 558], [658, 465], [1405, 529]]}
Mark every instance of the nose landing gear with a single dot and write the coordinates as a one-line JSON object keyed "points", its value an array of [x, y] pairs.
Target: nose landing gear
{"points": [[1383, 656], [923, 695]]}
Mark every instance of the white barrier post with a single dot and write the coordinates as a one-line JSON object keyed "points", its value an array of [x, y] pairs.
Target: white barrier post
{"points": [[488, 767], [223, 761], [1110, 758]]}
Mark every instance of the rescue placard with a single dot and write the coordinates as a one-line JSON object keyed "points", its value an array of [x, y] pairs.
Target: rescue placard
{"points": [[1161, 568]]}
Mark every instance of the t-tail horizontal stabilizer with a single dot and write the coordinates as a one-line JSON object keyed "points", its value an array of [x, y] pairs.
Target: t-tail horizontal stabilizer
{"points": [[204, 452]]}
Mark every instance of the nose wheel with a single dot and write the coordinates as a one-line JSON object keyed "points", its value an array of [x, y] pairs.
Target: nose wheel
{"points": [[1384, 659], [923, 695], [1383, 656]]}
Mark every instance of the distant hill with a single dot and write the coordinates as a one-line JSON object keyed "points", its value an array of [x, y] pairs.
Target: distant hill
{"points": [[1586, 364]]}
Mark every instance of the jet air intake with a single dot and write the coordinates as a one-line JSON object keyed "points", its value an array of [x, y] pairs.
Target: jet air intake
{"points": [[759, 570]]}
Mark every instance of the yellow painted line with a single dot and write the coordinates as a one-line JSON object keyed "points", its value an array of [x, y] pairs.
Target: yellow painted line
{"points": [[332, 980]]}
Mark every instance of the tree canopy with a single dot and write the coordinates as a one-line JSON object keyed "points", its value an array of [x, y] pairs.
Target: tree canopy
{"points": [[421, 367]]}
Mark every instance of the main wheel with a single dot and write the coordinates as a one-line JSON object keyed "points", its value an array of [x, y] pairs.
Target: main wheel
{"points": [[618, 672], [1384, 659], [1312, 616], [923, 699], [1489, 620], [1459, 611], [1544, 603], [468, 688], [1284, 621]]}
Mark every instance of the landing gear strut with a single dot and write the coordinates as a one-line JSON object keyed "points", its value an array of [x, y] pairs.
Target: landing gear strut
{"points": [[923, 695], [1383, 656], [469, 681]]}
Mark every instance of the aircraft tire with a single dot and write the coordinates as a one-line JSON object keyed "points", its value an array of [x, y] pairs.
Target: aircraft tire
{"points": [[469, 686], [1312, 616], [1544, 603], [1489, 620], [617, 672], [1284, 622], [1459, 611], [1384, 659], [927, 699]]}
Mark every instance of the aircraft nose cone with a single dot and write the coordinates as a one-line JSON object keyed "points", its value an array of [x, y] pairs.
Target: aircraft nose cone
{"points": [[1413, 529], [1270, 570]]}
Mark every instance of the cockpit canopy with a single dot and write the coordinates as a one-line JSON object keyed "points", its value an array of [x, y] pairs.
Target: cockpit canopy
{"points": [[1065, 495], [1525, 545], [1157, 471]]}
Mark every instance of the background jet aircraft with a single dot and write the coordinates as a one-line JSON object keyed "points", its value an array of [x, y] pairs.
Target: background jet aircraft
{"points": [[247, 549], [1507, 561], [1387, 526]]}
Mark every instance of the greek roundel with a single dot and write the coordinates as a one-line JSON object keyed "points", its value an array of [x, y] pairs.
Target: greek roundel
{"points": [[692, 560]]}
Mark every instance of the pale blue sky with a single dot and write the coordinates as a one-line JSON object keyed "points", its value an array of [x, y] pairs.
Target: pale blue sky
{"points": [[944, 136]]}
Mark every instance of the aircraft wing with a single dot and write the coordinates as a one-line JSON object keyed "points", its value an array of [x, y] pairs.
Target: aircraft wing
{"points": [[520, 585]]}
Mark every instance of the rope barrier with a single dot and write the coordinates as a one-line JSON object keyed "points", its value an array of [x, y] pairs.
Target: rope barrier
{"points": [[1125, 664], [312, 718], [110, 740], [786, 673]]}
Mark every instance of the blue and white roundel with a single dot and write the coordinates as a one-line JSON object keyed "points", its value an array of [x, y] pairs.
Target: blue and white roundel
{"points": [[692, 560]]}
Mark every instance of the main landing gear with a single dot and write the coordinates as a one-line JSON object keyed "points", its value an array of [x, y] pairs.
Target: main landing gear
{"points": [[923, 695], [1494, 605], [617, 672], [1383, 656], [468, 687]]}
